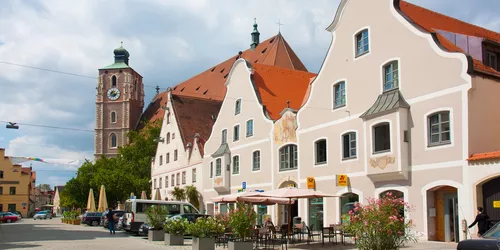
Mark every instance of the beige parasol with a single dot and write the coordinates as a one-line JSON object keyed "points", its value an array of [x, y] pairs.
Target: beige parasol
{"points": [[103, 202], [91, 201], [251, 197], [157, 196], [144, 196]]}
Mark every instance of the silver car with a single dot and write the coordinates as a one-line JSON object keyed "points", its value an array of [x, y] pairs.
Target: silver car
{"points": [[42, 215]]}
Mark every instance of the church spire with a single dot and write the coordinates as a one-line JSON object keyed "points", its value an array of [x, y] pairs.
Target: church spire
{"points": [[255, 35]]}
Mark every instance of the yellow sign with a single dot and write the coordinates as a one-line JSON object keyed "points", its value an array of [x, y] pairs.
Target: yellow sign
{"points": [[342, 180], [496, 204], [310, 182]]}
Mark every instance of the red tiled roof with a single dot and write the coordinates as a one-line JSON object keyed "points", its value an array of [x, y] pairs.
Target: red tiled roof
{"points": [[276, 86], [194, 115], [432, 21], [26, 170], [484, 156], [210, 83]]}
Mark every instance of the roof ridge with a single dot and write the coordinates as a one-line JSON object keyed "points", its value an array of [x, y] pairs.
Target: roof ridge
{"points": [[271, 48], [194, 97], [287, 53]]}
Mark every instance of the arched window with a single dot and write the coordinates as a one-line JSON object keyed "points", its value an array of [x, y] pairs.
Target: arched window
{"points": [[113, 141], [362, 43], [288, 157], [113, 117], [113, 81], [439, 128], [168, 138]]}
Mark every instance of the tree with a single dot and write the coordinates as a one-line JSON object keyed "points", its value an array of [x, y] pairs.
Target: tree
{"points": [[179, 194], [44, 187], [192, 195]]}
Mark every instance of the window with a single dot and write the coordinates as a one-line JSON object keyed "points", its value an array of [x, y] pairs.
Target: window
{"points": [[439, 128], [173, 136], [339, 95], [166, 181], [236, 134], [218, 167], [1, 192], [362, 43], [113, 141], [113, 117], [391, 76], [175, 155], [173, 180], [256, 161], [249, 128], [184, 177], [168, 118], [11, 208], [1, 174], [492, 60], [211, 170], [224, 136], [154, 185], [193, 176], [320, 148], [236, 164], [161, 160], [288, 157], [113, 81], [161, 182], [381, 138], [349, 145], [237, 107], [178, 179], [167, 159], [168, 138]]}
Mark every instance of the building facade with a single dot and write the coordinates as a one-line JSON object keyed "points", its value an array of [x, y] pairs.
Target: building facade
{"points": [[402, 100], [16, 184], [119, 104]]}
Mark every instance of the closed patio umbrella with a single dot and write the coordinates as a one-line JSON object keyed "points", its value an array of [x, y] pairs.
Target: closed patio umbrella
{"points": [[157, 195], [103, 201], [91, 201], [144, 196]]}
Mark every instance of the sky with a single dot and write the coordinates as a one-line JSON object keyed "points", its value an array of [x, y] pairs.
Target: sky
{"points": [[168, 41]]}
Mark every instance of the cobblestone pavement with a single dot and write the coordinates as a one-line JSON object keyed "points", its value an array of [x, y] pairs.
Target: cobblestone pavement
{"points": [[52, 234]]}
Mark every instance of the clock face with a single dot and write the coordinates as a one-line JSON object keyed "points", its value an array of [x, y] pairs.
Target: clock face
{"points": [[113, 94]]}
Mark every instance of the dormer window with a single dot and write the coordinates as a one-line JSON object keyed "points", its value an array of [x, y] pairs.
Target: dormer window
{"points": [[237, 107], [362, 43], [391, 76], [492, 59]]}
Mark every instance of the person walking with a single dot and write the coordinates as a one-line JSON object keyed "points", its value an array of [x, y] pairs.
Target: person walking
{"points": [[481, 221], [111, 221]]}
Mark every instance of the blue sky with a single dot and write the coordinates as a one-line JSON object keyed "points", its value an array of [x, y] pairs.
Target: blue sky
{"points": [[169, 41]]}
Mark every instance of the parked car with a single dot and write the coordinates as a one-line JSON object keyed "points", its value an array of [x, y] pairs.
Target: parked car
{"points": [[8, 217], [18, 213], [104, 219], [43, 215], [91, 218], [489, 240]]}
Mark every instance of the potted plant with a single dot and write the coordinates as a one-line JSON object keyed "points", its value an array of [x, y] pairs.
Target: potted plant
{"points": [[156, 216], [204, 231], [242, 222], [76, 220], [174, 232]]}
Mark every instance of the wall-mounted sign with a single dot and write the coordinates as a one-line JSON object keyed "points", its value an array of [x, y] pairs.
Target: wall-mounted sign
{"points": [[496, 204], [244, 185], [342, 180], [310, 182]]}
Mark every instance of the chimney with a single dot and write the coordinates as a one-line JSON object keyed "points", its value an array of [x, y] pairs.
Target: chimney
{"points": [[255, 36]]}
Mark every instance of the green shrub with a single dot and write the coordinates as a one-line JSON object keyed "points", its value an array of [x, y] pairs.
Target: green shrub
{"points": [[156, 216], [176, 227], [205, 228]]}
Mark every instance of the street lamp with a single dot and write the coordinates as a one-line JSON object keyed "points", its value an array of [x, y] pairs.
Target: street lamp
{"points": [[12, 125]]}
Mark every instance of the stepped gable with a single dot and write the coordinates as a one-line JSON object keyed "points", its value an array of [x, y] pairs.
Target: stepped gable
{"points": [[210, 83], [434, 22], [280, 88], [195, 115]]}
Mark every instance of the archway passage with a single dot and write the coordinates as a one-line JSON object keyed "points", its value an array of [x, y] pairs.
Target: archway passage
{"points": [[442, 216], [397, 195], [284, 211], [347, 202], [491, 199]]}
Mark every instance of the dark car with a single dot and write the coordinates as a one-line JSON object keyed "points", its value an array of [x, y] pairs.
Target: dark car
{"points": [[104, 218], [91, 218], [490, 240]]}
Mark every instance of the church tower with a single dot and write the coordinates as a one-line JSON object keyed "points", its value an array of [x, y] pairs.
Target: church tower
{"points": [[119, 104]]}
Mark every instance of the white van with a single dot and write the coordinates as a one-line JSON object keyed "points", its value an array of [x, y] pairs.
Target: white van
{"points": [[135, 210]]}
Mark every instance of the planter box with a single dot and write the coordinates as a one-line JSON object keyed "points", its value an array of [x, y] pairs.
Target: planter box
{"points": [[240, 245], [156, 235], [174, 240], [76, 222], [203, 243]]}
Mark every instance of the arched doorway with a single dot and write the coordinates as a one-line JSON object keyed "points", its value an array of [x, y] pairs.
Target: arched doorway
{"points": [[284, 211], [397, 195], [489, 198], [347, 202], [442, 215]]}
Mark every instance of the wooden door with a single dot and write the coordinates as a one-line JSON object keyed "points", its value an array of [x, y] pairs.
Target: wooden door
{"points": [[439, 217]]}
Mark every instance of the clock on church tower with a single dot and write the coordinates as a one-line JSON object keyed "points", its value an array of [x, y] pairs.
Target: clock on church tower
{"points": [[119, 104]]}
